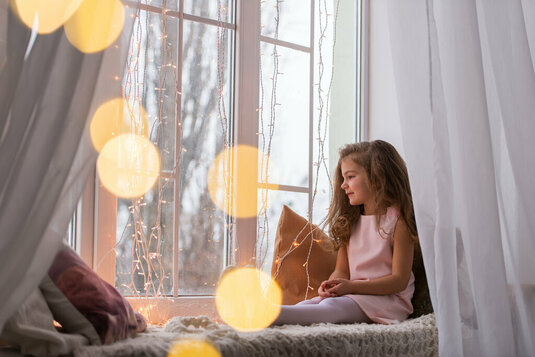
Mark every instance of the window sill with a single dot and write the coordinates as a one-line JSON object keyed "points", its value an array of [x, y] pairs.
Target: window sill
{"points": [[158, 311]]}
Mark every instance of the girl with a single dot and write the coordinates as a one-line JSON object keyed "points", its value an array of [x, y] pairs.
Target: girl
{"points": [[371, 219]]}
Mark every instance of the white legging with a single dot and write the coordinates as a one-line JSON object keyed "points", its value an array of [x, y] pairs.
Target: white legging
{"points": [[340, 309]]}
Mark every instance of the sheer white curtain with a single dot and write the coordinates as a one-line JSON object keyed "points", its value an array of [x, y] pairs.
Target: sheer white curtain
{"points": [[3, 32], [465, 86], [48, 90]]}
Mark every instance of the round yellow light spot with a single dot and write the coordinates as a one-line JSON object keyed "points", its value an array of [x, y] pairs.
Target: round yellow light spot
{"points": [[128, 165], [116, 117], [233, 181], [248, 299], [192, 348], [95, 25], [50, 14]]}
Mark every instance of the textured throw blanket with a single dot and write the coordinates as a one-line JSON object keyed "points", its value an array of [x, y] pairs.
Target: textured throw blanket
{"points": [[414, 337]]}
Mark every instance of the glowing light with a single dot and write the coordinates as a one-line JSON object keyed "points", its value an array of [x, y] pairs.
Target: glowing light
{"points": [[128, 165], [95, 25], [233, 181], [116, 117], [192, 348], [248, 299], [50, 14]]}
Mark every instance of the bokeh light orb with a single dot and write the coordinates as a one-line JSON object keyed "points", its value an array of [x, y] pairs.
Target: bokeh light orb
{"points": [[128, 165], [248, 299], [50, 14], [95, 25], [116, 117], [192, 348], [233, 181]]}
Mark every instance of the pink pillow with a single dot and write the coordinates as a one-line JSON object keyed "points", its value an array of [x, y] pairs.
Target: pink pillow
{"points": [[100, 303]]}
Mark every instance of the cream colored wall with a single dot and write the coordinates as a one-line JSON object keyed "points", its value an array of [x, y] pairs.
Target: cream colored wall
{"points": [[383, 111]]}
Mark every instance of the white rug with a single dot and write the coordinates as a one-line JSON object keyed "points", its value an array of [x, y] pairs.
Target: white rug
{"points": [[415, 337]]}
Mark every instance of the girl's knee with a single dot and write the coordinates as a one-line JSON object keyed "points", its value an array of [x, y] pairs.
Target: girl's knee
{"points": [[329, 301], [339, 303], [332, 303], [315, 300]]}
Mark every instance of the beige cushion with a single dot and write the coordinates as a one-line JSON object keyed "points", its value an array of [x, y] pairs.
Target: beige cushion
{"points": [[292, 275]]}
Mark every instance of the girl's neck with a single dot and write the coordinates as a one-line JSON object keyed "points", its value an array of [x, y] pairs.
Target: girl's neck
{"points": [[369, 209]]}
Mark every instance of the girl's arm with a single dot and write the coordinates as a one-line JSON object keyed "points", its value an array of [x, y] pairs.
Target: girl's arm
{"points": [[341, 271], [386, 285]]}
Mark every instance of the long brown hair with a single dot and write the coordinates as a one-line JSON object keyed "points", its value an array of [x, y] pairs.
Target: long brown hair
{"points": [[389, 182]]}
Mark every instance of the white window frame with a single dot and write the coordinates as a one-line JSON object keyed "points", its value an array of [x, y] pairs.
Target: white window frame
{"points": [[98, 217], [362, 55]]}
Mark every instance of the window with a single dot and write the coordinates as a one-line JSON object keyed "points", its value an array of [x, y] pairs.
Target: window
{"points": [[213, 74]]}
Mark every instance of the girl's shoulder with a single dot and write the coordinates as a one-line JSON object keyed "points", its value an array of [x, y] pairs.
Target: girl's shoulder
{"points": [[392, 212], [388, 222]]}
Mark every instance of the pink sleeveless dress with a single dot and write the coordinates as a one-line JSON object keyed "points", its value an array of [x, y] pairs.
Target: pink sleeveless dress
{"points": [[370, 257]]}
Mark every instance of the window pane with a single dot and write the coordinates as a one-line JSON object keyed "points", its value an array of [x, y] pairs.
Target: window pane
{"points": [[160, 92], [268, 222], [335, 113], [144, 262], [322, 198], [168, 4], [294, 20], [144, 234], [202, 226], [209, 9], [151, 79], [71, 232], [289, 157]]}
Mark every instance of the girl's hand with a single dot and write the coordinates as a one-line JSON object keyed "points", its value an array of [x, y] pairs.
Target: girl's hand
{"points": [[339, 287], [322, 290]]}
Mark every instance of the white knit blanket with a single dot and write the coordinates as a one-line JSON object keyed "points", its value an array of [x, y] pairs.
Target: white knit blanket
{"points": [[415, 337]]}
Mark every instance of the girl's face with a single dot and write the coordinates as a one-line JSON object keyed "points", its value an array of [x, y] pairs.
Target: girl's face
{"points": [[357, 185]]}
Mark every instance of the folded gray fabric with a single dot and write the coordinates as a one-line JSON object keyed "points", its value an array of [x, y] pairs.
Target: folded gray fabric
{"points": [[31, 330]]}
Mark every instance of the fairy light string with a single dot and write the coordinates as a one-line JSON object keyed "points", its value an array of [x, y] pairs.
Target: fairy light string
{"points": [[323, 116], [151, 270], [146, 249], [146, 237], [262, 235]]}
